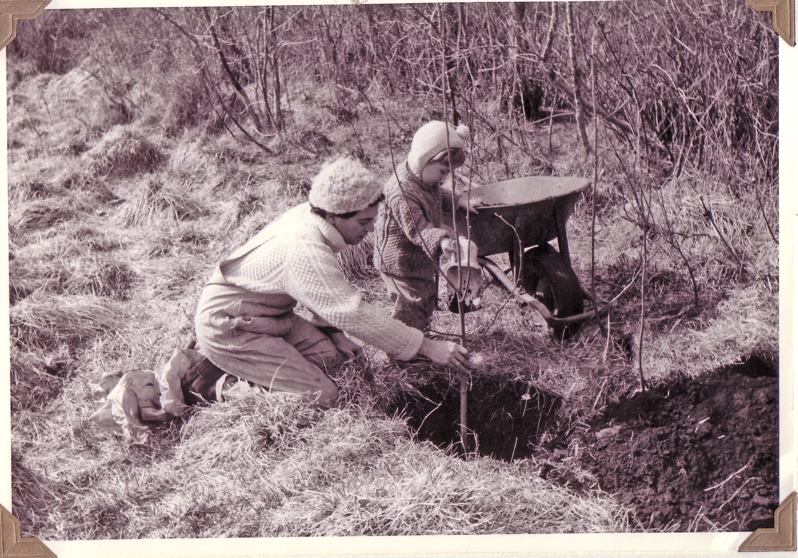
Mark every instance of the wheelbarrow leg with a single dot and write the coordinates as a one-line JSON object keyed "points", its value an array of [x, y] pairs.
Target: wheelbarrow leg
{"points": [[562, 239]]}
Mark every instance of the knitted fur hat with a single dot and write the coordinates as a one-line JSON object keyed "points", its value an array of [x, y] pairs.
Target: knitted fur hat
{"points": [[343, 186], [430, 139]]}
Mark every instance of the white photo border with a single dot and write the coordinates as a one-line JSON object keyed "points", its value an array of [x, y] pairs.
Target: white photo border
{"points": [[655, 545]]}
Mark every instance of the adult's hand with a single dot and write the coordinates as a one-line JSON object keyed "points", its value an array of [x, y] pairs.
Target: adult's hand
{"points": [[447, 353], [346, 345]]}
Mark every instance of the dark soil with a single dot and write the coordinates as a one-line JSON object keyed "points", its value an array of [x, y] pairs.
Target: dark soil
{"points": [[698, 454], [505, 420]]}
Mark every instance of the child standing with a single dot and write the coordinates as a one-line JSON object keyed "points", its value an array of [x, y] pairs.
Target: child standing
{"points": [[409, 233]]}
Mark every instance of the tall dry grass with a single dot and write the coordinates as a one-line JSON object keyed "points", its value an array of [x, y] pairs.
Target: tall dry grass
{"points": [[298, 472], [154, 202], [123, 151]]}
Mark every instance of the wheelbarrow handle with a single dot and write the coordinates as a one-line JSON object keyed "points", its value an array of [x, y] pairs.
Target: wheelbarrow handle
{"points": [[526, 298], [515, 289]]}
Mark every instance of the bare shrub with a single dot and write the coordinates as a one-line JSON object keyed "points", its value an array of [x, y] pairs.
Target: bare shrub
{"points": [[189, 107], [52, 42], [239, 73]]}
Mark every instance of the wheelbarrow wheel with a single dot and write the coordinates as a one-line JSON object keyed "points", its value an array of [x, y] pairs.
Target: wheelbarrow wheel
{"points": [[547, 275]]}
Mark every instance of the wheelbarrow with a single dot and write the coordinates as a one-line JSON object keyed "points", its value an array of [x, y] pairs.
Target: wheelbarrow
{"points": [[520, 217]]}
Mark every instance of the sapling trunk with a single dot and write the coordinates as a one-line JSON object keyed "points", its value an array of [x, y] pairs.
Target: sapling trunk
{"points": [[460, 296], [595, 186], [463, 390], [642, 330]]}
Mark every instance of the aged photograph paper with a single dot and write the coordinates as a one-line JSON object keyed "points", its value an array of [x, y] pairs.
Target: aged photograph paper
{"points": [[408, 278]]}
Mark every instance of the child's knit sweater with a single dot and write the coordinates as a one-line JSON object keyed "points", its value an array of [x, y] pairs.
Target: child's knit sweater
{"points": [[296, 256], [409, 229]]}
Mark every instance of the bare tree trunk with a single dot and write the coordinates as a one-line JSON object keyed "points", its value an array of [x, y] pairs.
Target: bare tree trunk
{"points": [[240, 92], [274, 62], [578, 111], [550, 33]]}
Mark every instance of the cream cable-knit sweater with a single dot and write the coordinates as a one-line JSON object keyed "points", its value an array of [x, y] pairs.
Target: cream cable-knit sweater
{"points": [[296, 255]]}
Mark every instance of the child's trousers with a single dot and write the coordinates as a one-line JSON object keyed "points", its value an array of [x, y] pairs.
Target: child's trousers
{"points": [[414, 299]]}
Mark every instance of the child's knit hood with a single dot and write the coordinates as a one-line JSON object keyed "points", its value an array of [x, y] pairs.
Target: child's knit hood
{"points": [[430, 139]]}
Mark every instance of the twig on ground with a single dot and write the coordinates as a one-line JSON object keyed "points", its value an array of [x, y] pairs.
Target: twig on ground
{"points": [[733, 496], [734, 474]]}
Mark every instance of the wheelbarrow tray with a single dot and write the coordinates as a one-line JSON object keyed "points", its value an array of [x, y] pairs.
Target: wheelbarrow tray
{"points": [[527, 211]]}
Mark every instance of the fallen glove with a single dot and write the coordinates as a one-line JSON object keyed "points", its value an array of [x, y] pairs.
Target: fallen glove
{"points": [[132, 402]]}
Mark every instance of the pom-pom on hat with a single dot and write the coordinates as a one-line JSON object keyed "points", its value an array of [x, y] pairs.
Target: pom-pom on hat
{"points": [[343, 186], [430, 139]]}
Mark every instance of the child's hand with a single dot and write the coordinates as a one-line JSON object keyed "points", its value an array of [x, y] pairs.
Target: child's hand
{"points": [[469, 205], [449, 247]]}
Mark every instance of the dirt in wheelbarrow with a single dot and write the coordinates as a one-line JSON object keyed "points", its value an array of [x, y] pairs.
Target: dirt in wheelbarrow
{"points": [[698, 454]]}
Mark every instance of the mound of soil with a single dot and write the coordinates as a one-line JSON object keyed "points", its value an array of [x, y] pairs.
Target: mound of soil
{"points": [[699, 454]]}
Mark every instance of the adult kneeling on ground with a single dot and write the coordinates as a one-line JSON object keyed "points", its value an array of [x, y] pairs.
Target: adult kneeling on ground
{"points": [[246, 324]]}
